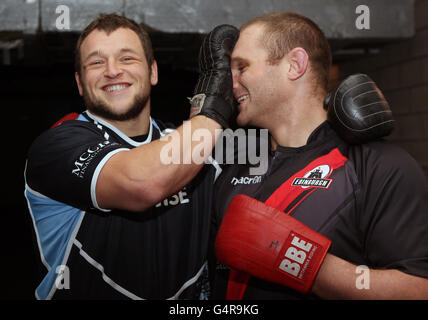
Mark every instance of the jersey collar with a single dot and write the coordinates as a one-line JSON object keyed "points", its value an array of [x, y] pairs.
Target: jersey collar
{"points": [[102, 123], [321, 135]]}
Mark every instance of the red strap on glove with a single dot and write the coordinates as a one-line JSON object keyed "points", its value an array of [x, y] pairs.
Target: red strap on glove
{"points": [[265, 242]]}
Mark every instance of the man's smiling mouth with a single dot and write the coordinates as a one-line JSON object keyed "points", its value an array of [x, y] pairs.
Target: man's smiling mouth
{"points": [[242, 98], [116, 87]]}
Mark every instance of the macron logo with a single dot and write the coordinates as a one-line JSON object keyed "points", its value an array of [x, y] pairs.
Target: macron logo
{"points": [[246, 180]]}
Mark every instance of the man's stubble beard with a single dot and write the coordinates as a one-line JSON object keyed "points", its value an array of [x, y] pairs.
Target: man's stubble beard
{"points": [[104, 111]]}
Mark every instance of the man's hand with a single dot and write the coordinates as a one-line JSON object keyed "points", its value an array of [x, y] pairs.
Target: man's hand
{"points": [[213, 95]]}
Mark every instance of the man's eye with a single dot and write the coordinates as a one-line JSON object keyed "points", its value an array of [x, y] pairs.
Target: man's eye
{"points": [[127, 58], [94, 63]]}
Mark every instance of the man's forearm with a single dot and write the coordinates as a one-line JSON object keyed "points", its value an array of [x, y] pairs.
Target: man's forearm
{"points": [[338, 279], [139, 178], [193, 143]]}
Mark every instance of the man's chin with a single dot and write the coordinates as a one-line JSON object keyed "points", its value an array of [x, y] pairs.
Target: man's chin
{"points": [[108, 112], [129, 114], [241, 120]]}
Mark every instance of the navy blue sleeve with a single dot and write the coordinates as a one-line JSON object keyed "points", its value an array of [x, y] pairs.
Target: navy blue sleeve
{"points": [[394, 214], [63, 161]]}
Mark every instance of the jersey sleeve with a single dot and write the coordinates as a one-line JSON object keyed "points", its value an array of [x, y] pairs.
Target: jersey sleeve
{"points": [[64, 162], [394, 214]]}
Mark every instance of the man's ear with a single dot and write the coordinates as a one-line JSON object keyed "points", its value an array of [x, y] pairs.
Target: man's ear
{"points": [[298, 59], [79, 84], [154, 73]]}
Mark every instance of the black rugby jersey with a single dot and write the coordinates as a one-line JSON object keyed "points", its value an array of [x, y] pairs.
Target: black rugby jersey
{"points": [[370, 200], [112, 254]]}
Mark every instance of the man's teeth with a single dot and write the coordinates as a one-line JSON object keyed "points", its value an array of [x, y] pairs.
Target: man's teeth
{"points": [[116, 87], [242, 98]]}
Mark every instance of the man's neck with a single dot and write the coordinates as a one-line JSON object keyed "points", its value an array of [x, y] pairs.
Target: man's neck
{"points": [[300, 123], [134, 127]]}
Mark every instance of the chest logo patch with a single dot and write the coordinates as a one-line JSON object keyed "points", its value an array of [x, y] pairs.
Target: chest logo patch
{"points": [[314, 178]]}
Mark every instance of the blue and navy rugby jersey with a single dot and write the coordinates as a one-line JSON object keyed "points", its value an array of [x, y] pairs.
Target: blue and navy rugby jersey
{"points": [[91, 253]]}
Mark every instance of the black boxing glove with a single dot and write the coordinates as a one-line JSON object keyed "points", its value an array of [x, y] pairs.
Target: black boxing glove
{"points": [[213, 95], [358, 111]]}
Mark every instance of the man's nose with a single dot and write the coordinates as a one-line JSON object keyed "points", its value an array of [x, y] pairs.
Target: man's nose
{"points": [[112, 68], [235, 79]]}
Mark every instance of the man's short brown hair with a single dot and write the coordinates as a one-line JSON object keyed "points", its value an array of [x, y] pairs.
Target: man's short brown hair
{"points": [[284, 31], [110, 23]]}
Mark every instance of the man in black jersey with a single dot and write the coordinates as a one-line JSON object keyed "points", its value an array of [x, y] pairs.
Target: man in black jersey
{"points": [[329, 219], [113, 219]]}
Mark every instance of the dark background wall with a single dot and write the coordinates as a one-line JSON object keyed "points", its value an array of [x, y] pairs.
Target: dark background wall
{"points": [[401, 72], [37, 91]]}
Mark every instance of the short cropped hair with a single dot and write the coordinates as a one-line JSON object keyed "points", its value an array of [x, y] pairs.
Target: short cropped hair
{"points": [[284, 31], [109, 23]]}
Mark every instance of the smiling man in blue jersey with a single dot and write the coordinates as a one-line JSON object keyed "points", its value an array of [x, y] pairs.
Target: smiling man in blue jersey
{"points": [[103, 202]]}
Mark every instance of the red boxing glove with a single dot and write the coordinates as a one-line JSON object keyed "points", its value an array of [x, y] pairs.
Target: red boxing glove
{"points": [[268, 244]]}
